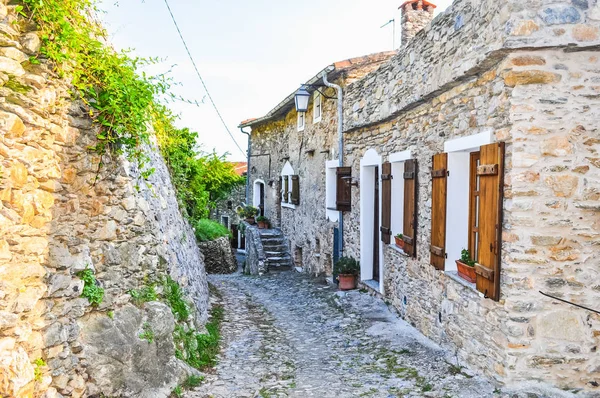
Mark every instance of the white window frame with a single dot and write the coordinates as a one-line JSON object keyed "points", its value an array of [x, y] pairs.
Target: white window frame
{"points": [[331, 190], [459, 151], [228, 221], [286, 173], [398, 160], [317, 104], [301, 121]]}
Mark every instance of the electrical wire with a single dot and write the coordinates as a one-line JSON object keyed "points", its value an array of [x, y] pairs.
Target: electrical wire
{"points": [[201, 79]]}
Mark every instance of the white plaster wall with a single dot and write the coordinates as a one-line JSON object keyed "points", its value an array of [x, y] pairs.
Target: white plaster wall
{"points": [[457, 207], [330, 189]]}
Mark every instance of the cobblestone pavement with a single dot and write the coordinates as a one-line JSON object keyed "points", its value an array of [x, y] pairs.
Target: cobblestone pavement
{"points": [[285, 335]]}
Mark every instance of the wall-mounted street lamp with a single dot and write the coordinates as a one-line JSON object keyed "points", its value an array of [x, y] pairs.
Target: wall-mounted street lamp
{"points": [[303, 96]]}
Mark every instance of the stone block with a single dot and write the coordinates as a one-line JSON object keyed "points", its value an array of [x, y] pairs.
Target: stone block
{"points": [[563, 185], [586, 33], [518, 78], [560, 14], [561, 325], [557, 146]]}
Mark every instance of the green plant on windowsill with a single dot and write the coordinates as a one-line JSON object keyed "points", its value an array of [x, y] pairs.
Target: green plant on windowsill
{"points": [[465, 258]]}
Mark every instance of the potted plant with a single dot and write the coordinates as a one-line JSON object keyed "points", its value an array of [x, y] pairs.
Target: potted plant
{"points": [[399, 241], [466, 266], [263, 222], [248, 213], [347, 269]]}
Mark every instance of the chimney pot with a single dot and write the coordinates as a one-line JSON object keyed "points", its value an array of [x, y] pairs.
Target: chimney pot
{"points": [[416, 15]]}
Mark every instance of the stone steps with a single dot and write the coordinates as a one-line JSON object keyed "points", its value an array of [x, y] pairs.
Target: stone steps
{"points": [[276, 249]]}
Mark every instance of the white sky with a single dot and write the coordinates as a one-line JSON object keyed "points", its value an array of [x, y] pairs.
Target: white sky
{"points": [[251, 54]]}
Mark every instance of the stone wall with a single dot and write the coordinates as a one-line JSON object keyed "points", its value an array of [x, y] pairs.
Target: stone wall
{"points": [[415, 17], [256, 259], [60, 214], [542, 103], [219, 257]]}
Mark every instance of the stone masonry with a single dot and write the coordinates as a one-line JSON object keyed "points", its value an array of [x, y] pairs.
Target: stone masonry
{"points": [[277, 141], [416, 15], [527, 74], [61, 214]]}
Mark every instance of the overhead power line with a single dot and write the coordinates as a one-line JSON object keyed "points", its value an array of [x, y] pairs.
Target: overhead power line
{"points": [[187, 49]]}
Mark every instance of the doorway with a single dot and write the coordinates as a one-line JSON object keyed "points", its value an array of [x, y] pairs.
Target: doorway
{"points": [[258, 199], [376, 225], [371, 247]]}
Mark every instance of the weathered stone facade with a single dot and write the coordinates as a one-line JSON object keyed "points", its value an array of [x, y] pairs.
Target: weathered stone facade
{"points": [[278, 141], [522, 73], [59, 215]]}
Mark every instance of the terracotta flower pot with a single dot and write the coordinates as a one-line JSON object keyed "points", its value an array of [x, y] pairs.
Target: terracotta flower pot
{"points": [[347, 282], [399, 242], [262, 225], [250, 220], [466, 272]]}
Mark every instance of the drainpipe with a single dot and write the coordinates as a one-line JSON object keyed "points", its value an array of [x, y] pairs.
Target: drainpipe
{"points": [[340, 99], [248, 161]]}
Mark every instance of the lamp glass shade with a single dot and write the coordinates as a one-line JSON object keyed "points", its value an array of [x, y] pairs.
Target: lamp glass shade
{"points": [[302, 98]]}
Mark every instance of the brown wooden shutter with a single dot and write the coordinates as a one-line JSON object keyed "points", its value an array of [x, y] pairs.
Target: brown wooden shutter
{"points": [[286, 188], [343, 200], [438, 211], [386, 200], [295, 190], [410, 207], [491, 187]]}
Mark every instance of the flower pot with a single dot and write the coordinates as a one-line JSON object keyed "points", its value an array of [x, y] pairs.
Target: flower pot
{"points": [[399, 242], [347, 281], [250, 220], [466, 272], [262, 225]]}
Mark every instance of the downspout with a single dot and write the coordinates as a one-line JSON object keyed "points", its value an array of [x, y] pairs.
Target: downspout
{"points": [[340, 106], [249, 156]]}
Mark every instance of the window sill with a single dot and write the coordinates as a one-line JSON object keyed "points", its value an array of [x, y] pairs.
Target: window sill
{"points": [[288, 206], [300, 129], [400, 251], [471, 286], [372, 284], [315, 121]]}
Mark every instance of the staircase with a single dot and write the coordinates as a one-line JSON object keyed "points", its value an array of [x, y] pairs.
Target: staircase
{"points": [[276, 250]]}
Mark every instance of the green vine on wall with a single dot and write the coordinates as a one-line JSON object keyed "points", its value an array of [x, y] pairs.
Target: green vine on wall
{"points": [[121, 100]]}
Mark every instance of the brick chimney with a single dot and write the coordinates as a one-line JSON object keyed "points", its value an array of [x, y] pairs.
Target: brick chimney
{"points": [[416, 14]]}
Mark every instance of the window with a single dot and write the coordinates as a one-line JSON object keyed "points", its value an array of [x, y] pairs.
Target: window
{"points": [[229, 205], [343, 201], [301, 121], [393, 191], [331, 190], [467, 194], [290, 187], [317, 107], [225, 221]]}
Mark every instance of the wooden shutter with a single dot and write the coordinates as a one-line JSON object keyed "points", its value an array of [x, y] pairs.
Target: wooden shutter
{"points": [[295, 190], [438, 211], [491, 186], [386, 201], [410, 207], [343, 200], [286, 188]]}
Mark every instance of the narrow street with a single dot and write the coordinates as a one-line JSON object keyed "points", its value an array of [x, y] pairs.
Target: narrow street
{"points": [[286, 335]]}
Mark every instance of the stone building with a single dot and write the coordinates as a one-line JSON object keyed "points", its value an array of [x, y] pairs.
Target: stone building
{"points": [[479, 134], [225, 211], [289, 148]]}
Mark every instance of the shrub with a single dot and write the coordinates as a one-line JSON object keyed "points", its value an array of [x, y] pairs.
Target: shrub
{"points": [[346, 266], [248, 211], [207, 230], [144, 295]]}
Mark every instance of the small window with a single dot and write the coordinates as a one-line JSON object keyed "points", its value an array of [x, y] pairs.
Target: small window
{"points": [[229, 205], [225, 221], [317, 107], [344, 189], [301, 121]]}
